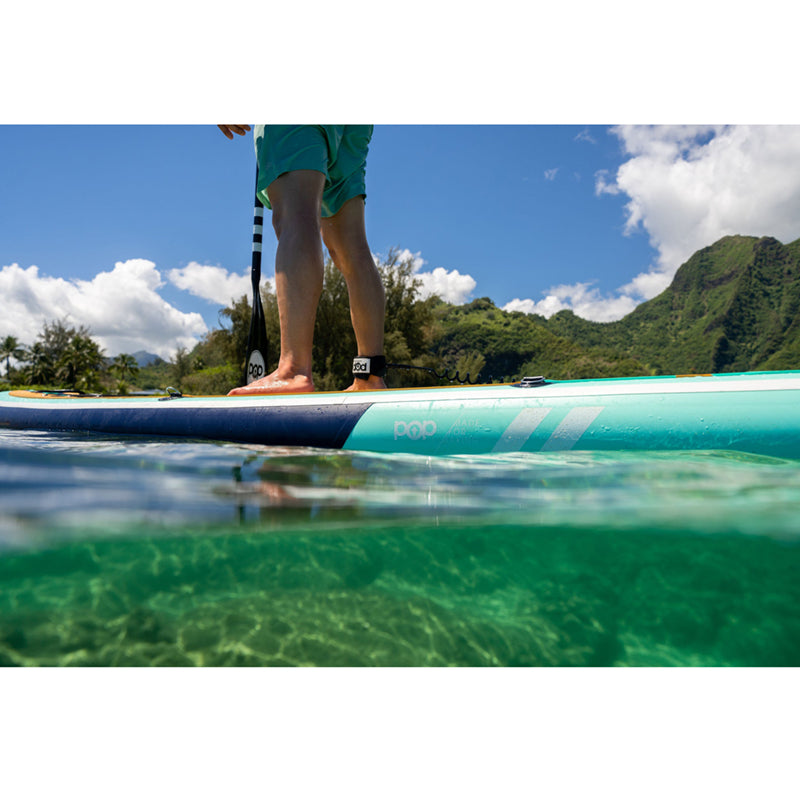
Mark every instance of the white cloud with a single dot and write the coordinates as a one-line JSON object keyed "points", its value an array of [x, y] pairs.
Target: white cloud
{"points": [[451, 286], [550, 174], [417, 262], [647, 284], [214, 284], [689, 186], [602, 185], [581, 298], [121, 308]]}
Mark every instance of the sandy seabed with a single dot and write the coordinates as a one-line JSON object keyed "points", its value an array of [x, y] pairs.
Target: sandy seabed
{"points": [[457, 595]]}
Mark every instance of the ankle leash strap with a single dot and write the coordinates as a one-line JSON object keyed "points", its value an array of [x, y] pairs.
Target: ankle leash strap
{"points": [[364, 366]]}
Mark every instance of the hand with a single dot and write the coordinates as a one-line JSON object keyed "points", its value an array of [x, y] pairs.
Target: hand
{"points": [[229, 130]]}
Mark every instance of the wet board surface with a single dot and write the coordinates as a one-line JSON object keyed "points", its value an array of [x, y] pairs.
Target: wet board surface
{"points": [[749, 412]]}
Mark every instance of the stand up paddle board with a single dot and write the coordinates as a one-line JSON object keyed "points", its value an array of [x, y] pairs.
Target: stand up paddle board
{"points": [[750, 412]]}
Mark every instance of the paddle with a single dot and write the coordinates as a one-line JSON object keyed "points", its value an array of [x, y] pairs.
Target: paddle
{"points": [[256, 355]]}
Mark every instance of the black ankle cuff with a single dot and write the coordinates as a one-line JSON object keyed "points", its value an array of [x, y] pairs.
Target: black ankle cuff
{"points": [[364, 366]]}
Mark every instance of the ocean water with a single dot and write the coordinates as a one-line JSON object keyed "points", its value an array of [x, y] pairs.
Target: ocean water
{"points": [[127, 552]]}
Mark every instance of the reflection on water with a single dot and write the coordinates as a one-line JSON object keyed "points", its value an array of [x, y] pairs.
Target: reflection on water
{"points": [[123, 552]]}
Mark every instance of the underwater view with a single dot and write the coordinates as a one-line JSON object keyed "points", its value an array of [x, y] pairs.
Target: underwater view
{"points": [[139, 552]]}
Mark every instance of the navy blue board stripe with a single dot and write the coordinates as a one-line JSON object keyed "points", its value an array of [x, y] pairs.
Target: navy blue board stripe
{"points": [[307, 425]]}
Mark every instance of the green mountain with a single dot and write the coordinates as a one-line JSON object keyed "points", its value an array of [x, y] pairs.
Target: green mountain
{"points": [[733, 306], [479, 337]]}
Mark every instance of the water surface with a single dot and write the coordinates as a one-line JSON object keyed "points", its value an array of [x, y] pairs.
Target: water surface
{"points": [[139, 552]]}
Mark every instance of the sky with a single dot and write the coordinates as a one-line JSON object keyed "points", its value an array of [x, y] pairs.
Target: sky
{"points": [[143, 233], [537, 163]]}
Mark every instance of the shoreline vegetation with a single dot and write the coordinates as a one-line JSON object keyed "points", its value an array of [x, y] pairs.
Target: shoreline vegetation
{"points": [[732, 307]]}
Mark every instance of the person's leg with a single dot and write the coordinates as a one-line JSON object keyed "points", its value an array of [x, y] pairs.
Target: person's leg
{"points": [[345, 237], [295, 198]]}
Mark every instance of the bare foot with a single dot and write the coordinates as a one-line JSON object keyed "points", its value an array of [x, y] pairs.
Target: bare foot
{"points": [[272, 384], [371, 384]]}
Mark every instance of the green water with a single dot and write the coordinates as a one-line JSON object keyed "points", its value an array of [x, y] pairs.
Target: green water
{"points": [[133, 552]]}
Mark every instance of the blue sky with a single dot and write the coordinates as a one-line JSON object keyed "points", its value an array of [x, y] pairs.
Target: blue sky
{"points": [[514, 206]]}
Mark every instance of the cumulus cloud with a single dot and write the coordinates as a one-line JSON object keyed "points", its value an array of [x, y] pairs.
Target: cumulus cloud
{"points": [[583, 299], [122, 308], [416, 259], [688, 186], [212, 283], [450, 285]]}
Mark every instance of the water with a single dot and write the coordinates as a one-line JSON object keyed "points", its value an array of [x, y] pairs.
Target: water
{"points": [[134, 552]]}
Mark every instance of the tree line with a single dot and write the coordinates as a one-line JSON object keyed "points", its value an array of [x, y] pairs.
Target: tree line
{"points": [[69, 357], [432, 340]]}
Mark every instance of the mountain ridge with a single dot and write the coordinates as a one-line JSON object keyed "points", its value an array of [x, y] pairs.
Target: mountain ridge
{"points": [[732, 306]]}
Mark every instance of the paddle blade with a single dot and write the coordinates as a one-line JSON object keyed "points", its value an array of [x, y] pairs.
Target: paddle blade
{"points": [[256, 360]]}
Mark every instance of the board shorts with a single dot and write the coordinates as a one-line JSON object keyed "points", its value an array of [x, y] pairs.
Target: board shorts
{"points": [[339, 152]]}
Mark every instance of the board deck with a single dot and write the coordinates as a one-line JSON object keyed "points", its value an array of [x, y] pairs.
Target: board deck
{"points": [[756, 412]]}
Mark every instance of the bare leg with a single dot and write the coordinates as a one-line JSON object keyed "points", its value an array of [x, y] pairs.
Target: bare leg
{"points": [[296, 198], [345, 237]]}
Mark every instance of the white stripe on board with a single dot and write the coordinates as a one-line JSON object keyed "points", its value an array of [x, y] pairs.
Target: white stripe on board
{"points": [[520, 429], [572, 427], [256, 247]]}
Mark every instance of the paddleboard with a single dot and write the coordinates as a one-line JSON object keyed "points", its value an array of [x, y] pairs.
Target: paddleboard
{"points": [[756, 412]]}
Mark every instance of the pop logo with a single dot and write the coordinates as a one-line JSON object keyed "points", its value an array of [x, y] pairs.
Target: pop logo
{"points": [[255, 366], [415, 429], [361, 366]]}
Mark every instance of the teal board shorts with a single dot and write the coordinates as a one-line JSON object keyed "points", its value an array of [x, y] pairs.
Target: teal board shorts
{"points": [[339, 152]]}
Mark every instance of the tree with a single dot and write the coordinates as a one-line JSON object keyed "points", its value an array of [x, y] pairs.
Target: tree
{"points": [[181, 365], [411, 323], [65, 354], [11, 348], [334, 340], [39, 367], [124, 366], [56, 336], [80, 363], [233, 340]]}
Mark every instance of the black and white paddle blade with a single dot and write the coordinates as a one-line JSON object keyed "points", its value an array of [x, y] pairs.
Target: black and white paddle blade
{"points": [[256, 364], [256, 355]]}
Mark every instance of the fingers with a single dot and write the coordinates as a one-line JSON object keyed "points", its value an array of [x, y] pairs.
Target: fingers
{"points": [[229, 130]]}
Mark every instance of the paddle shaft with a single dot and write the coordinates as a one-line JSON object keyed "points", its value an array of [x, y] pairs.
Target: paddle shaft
{"points": [[256, 355], [258, 238]]}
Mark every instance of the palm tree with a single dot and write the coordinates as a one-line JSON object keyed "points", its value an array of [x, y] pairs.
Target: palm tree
{"points": [[40, 369], [10, 348], [125, 366], [80, 362]]}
